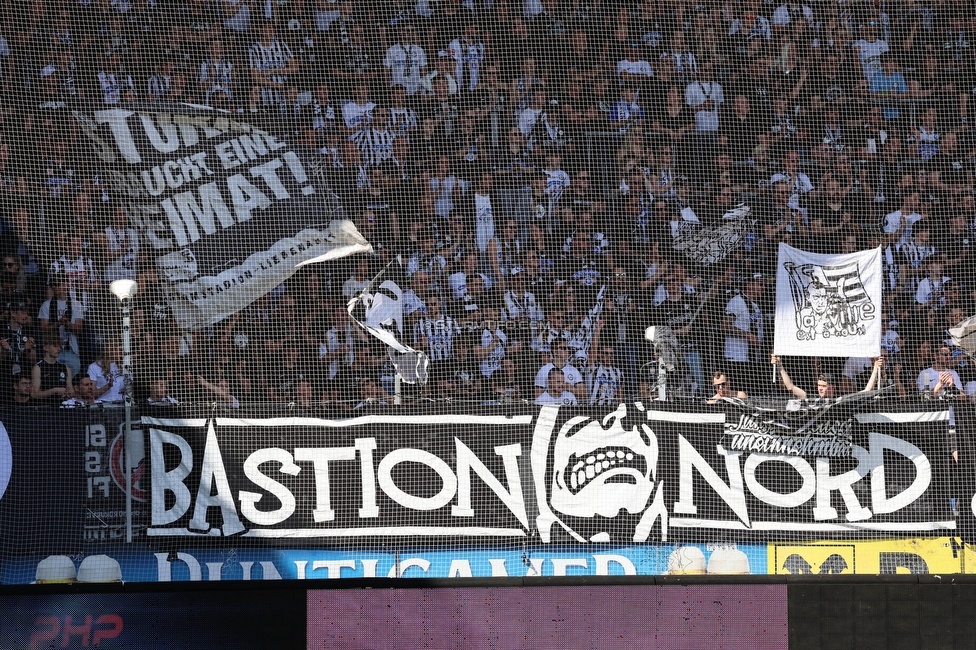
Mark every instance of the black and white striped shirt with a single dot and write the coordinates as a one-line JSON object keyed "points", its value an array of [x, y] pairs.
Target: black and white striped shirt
{"points": [[602, 384], [403, 120], [158, 85], [440, 335], [274, 57], [376, 145], [218, 75]]}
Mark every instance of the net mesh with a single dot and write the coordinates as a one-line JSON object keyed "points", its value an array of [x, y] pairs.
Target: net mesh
{"points": [[516, 191]]}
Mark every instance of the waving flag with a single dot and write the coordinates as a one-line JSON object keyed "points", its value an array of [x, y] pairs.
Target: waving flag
{"points": [[709, 245], [226, 210], [378, 310]]}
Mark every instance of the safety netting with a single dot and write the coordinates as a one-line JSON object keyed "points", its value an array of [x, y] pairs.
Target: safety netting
{"points": [[335, 288]]}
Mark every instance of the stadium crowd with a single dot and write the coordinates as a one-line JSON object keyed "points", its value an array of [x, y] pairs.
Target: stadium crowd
{"points": [[531, 162]]}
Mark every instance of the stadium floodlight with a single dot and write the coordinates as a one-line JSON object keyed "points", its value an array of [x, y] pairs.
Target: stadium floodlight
{"points": [[125, 290], [650, 333], [665, 344], [666, 348]]}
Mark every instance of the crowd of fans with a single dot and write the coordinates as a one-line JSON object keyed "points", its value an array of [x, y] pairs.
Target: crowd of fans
{"points": [[530, 161]]}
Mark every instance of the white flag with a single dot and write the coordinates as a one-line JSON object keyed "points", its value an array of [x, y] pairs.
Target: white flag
{"points": [[378, 310], [828, 305]]}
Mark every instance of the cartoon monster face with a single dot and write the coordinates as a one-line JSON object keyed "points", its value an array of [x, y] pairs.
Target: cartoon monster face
{"points": [[600, 469]]}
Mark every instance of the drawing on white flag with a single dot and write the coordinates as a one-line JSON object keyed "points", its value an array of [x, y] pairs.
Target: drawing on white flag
{"points": [[829, 300], [828, 304]]}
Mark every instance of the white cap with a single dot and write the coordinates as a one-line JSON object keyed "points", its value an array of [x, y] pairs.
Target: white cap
{"points": [[686, 560], [99, 568], [728, 561], [55, 569]]}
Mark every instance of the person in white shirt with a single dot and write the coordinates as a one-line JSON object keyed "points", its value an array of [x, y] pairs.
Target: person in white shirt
{"points": [[744, 331], [705, 97], [534, 116], [484, 216], [869, 49], [107, 375], [68, 316], [931, 288], [468, 52], [117, 86], [557, 180], [358, 113], [560, 361], [556, 394], [406, 60], [898, 224], [938, 377], [358, 281]]}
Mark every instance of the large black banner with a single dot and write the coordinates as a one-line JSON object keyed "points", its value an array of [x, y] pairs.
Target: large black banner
{"points": [[638, 473], [227, 210], [42, 481]]}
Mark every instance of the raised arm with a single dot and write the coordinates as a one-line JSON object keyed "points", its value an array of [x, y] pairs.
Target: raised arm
{"points": [[787, 382], [879, 365]]}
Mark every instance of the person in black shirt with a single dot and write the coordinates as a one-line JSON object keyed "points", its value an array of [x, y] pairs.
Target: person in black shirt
{"points": [[50, 380], [20, 392], [679, 311], [288, 380], [17, 353]]}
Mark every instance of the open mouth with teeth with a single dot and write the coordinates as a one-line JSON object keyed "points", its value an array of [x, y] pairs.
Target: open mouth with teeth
{"points": [[609, 464]]}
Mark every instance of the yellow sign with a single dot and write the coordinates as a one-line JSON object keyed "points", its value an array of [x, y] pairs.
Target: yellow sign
{"points": [[944, 555]]}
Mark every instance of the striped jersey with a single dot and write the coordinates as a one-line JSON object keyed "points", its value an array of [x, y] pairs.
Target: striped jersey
{"points": [[403, 120], [273, 57], [218, 76], [440, 335], [602, 383], [158, 85], [376, 145]]}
